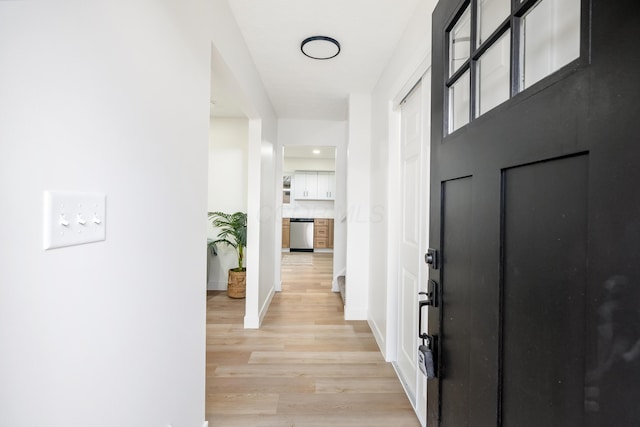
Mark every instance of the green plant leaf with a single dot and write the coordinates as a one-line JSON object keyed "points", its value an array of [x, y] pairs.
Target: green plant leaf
{"points": [[232, 231]]}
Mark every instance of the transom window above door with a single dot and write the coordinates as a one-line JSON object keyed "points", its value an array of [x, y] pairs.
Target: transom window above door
{"points": [[498, 48]]}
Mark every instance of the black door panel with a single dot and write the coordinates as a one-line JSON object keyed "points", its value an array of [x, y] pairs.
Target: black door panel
{"points": [[535, 214], [455, 363], [544, 292]]}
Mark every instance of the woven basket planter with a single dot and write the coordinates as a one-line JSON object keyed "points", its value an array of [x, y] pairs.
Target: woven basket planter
{"points": [[237, 286]]}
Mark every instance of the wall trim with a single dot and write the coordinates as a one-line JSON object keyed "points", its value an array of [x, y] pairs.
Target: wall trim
{"points": [[216, 286], [254, 322], [267, 303], [379, 337], [412, 81], [407, 390], [335, 287]]}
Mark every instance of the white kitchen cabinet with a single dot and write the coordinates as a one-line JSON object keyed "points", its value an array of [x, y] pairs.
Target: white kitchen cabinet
{"points": [[314, 185], [326, 185], [306, 185]]}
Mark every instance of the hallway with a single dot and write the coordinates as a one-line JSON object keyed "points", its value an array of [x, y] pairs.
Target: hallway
{"points": [[305, 367]]}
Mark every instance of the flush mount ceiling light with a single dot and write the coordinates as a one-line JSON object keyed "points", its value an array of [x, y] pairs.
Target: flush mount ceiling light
{"points": [[320, 47]]}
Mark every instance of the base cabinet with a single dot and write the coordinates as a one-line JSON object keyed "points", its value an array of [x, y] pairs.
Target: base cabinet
{"points": [[286, 227], [323, 233]]}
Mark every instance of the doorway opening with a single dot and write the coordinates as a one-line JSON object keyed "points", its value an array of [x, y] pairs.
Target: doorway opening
{"points": [[308, 218]]}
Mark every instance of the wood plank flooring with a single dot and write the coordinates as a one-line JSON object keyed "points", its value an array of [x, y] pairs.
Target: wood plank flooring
{"points": [[305, 367]]}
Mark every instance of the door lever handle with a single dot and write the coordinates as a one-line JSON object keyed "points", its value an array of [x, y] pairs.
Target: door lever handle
{"points": [[431, 294], [421, 305]]}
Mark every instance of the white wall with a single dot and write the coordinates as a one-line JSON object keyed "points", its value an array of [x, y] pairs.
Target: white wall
{"points": [[320, 133], [228, 170], [268, 216], [263, 128], [292, 164], [263, 248], [101, 97], [411, 59], [359, 215]]}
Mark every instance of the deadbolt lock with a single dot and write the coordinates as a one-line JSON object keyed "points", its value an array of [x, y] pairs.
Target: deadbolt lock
{"points": [[431, 258]]}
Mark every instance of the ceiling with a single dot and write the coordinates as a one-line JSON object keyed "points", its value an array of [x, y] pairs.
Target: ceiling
{"points": [[304, 88], [309, 152]]}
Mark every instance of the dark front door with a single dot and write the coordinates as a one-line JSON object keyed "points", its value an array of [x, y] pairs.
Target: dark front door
{"points": [[536, 216]]}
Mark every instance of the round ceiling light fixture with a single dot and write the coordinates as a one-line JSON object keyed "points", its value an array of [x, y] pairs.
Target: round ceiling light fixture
{"points": [[320, 47]]}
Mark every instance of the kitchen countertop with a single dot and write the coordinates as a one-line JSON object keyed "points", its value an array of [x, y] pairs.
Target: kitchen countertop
{"points": [[314, 217]]}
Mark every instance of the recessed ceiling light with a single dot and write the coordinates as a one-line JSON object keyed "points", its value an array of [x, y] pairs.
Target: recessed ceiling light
{"points": [[320, 47], [316, 151]]}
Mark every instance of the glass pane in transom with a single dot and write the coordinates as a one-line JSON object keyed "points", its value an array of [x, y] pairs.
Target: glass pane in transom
{"points": [[550, 38], [491, 13], [494, 72], [459, 102], [460, 42]]}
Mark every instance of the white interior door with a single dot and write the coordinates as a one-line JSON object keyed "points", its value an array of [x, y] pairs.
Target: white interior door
{"points": [[414, 221]]}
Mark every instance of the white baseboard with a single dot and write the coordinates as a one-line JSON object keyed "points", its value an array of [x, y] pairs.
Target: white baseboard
{"points": [[405, 386], [323, 251], [205, 424], [334, 285], [216, 286], [267, 303], [410, 396], [254, 322], [379, 337]]}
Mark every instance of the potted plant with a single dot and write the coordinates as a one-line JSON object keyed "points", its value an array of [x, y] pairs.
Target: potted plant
{"points": [[233, 232]]}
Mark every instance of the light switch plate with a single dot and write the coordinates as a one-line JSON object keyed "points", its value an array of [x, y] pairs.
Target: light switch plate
{"points": [[73, 218]]}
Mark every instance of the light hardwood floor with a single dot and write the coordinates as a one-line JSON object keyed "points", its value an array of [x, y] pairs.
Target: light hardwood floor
{"points": [[305, 367]]}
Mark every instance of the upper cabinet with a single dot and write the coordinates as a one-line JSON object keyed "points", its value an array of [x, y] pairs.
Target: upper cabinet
{"points": [[305, 185], [326, 185], [314, 185]]}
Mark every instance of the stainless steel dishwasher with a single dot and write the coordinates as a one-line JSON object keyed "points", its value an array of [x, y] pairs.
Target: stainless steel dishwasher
{"points": [[301, 235]]}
